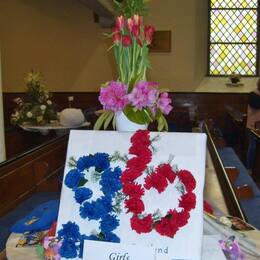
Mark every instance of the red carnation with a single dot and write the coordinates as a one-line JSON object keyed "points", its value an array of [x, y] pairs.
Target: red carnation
{"points": [[134, 205], [166, 227], [137, 164], [157, 181], [133, 190], [126, 40], [139, 150], [181, 218], [207, 207], [144, 225], [167, 172], [141, 137], [187, 179], [129, 175], [188, 201]]}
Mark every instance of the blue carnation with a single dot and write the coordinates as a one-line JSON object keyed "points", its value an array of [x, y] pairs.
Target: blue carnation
{"points": [[103, 205], [111, 237], [69, 231], [68, 249], [85, 162], [96, 209], [108, 223], [101, 161], [72, 178], [110, 181], [88, 211], [82, 194]]}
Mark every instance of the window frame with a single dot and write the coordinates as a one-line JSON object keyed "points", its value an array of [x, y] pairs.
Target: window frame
{"points": [[257, 40]]}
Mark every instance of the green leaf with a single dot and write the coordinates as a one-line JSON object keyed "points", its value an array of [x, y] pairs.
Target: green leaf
{"points": [[165, 124], [101, 120], [133, 81], [82, 182], [114, 123], [108, 120], [162, 123], [138, 116]]}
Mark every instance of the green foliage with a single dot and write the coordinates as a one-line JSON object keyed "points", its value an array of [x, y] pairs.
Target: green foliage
{"points": [[104, 119], [128, 8], [141, 117]]}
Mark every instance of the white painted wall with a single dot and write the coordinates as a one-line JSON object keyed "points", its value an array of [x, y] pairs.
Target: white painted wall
{"points": [[2, 137]]}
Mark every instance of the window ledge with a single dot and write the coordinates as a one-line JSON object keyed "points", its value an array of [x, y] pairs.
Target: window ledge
{"points": [[218, 85]]}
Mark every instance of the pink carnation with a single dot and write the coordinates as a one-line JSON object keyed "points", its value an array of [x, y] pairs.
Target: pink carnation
{"points": [[114, 96], [164, 102], [144, 94]]}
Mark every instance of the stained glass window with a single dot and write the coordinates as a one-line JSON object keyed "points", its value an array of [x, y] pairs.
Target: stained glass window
{"points": [[233, 37]]}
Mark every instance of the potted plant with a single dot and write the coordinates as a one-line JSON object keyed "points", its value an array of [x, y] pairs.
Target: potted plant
{"points": [[131, 102]]}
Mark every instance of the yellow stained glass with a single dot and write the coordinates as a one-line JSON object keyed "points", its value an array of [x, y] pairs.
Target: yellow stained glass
{"points": [[233, 37]]}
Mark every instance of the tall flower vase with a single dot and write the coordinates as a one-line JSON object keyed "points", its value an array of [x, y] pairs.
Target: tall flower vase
{"points": [[123, 124]]}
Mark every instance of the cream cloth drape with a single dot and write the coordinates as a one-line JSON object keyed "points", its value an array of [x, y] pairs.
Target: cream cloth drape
{"points": [[2, 137]]}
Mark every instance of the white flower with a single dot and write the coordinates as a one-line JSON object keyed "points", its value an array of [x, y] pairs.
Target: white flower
{"points": [[29, 114], [43, 107], [49, 102]]}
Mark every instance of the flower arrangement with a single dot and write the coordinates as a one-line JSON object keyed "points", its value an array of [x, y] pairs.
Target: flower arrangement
{"points": [[141, 101], [37, 108], [123, 192]]}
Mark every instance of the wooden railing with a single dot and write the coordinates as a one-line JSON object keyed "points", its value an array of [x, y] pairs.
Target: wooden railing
{"points": [[227, 188]]}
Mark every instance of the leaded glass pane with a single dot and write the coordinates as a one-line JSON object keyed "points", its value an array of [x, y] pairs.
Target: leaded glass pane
{"points": [[233, 26], [228, 58], [233, 37], [234, 4]]}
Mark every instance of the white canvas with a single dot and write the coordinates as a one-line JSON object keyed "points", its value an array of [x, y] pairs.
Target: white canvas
{"points": [[189, 151]]}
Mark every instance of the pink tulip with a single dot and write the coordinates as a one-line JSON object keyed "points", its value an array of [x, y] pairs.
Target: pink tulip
{"points": [[148, 32], [126, 40], [120, 22], [129, 24], [136, 31], [136, 20], [116, 35]]}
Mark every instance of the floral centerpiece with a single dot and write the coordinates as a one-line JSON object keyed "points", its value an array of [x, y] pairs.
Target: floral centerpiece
{"points": [[37, 107], [141, 101]]}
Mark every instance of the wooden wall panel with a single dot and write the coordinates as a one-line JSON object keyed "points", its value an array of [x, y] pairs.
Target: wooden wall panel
{"points": [[35, 171]]}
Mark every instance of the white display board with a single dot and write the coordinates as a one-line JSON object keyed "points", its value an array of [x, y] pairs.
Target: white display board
{"points": [[183, 151]]}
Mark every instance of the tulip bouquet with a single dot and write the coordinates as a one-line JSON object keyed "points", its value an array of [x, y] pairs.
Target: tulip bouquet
{"points": [[131, 39], [141, 101]]}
